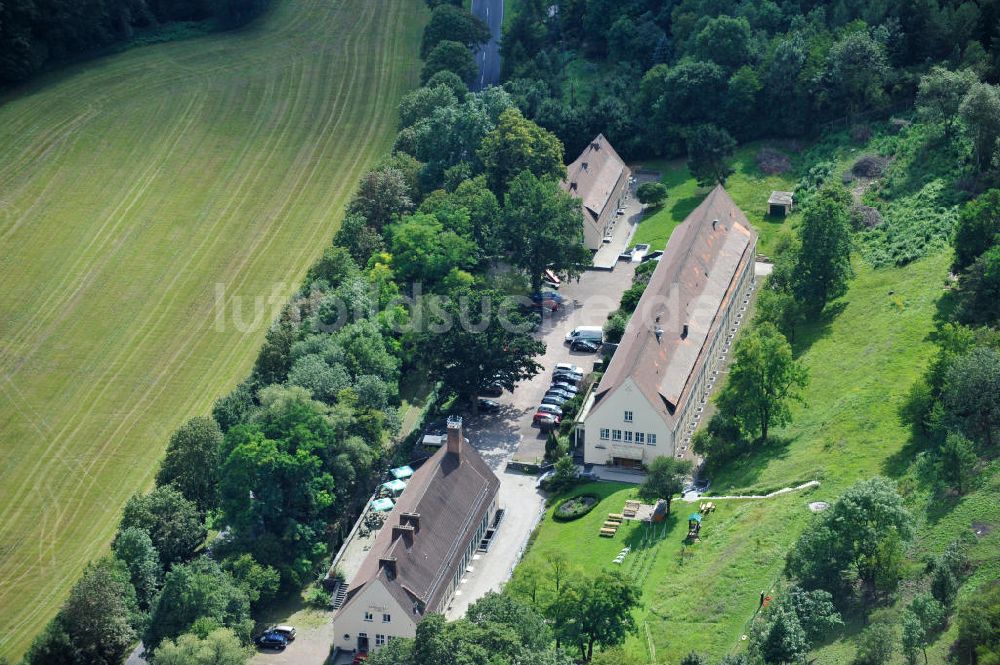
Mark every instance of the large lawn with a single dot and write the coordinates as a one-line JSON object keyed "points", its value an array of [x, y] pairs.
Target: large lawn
{"points": [[694, 597], [137, 193], [861, 359]]}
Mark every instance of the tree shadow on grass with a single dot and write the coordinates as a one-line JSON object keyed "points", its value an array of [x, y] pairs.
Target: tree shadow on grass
{"points": [[745, 470], [810, 332], [681, 208]]}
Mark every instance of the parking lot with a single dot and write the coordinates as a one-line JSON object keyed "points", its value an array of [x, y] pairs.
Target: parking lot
{"points": [[509, 434]]}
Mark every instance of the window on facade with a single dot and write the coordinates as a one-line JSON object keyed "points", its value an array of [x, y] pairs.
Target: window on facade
{"points": [[616, 435], [605, 434], [362, 636], [628, 416], [651, 439], [368, 616], [386, 618], [640, 437], [379, 640], [628, 436]]}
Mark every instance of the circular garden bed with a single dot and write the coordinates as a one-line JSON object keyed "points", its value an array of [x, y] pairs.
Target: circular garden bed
{"points": [[575, 507]]}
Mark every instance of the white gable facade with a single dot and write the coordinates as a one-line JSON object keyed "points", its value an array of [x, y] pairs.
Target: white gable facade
{"points": [[624, 429], [371, 618]]}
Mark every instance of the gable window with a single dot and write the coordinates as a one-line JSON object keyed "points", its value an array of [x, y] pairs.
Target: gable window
{"points": [[640, 437], [368, 616], [628, 416], [605, 434], [628, 436], [386, 618], [616, 435], [379, 640], [651, 439]]}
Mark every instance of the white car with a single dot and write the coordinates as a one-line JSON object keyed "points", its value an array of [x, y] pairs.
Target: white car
{"points": [[567, 367]]}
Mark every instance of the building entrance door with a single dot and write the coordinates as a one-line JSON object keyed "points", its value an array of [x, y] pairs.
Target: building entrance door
{"points": [[362, 642], [626, 463]]}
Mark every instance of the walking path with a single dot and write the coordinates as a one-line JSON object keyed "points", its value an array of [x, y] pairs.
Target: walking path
{"points": [[691, 497]]}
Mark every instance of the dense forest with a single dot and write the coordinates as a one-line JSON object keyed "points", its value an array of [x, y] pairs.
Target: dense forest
{"points": [[36, 33], [649, 73]]}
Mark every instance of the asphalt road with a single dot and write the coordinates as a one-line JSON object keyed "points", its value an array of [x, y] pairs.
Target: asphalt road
{"points": [[488, 57]]}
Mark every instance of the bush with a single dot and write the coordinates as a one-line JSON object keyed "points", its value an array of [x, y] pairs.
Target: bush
{"points": [[317, 597], [575, 507]]}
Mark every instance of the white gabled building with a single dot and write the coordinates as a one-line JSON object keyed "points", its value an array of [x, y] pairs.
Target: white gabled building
{"points": [[420, 555], [651, 397]]}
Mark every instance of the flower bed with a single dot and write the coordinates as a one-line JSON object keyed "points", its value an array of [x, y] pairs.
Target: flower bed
{"points": [[575, 507]]}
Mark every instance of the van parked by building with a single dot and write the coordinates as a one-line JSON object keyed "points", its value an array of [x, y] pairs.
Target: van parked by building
{"points": [[589, 333]]}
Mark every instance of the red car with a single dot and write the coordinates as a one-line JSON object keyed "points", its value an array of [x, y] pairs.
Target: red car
{"points": [[360, 657], [546, 416]]}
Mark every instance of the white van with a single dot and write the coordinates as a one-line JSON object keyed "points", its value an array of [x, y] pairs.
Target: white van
{"points": [[592, 333]]}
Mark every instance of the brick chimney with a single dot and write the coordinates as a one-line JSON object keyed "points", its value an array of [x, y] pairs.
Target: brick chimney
{"points": [[455, 435], [411, 519], [402, 530], [388, 564]]}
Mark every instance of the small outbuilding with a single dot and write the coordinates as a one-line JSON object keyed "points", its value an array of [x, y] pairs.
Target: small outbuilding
{"points": [[780, 204]]}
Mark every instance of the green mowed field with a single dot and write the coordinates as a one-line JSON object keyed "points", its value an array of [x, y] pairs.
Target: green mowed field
{"points": [[156, 208]]}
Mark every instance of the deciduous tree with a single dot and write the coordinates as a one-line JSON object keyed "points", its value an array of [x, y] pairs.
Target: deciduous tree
{"points": [[192, 461], [652, 194], [709, 148], [174, 523], [477, 337], [517, 145], [455, 23], [201, 593], [449, 56], [219, 647], [543, 228], [595, 611], [665, 479], [824, 260], [763, 381], [977, 230]]}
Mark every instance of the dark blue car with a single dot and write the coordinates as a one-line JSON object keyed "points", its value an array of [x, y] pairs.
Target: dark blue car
{"points": [[272, 640]]}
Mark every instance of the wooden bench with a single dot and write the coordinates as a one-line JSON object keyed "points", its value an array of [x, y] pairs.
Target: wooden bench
{"points": [[608, 533], [611, 525], [615, 517]]}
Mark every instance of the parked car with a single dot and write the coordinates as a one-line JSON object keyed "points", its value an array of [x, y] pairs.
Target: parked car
{"points": [[547, 295], [568, 377], [491, 390], [652, 256], [488, 406], [554, 400], [545, 303], [286, 631], [545, 476], [567, 367], [549, 408], [551, 279], [547, 423], [560, 392], [272, 640], [584, 345], [546, 418], [565, 385]]}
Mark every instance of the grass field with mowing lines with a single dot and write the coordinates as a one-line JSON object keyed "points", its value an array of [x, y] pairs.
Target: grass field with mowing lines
{"points": [[137, 192]]}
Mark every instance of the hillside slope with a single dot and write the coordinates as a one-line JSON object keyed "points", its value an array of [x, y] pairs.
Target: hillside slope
{"points": [[149, 203]]}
